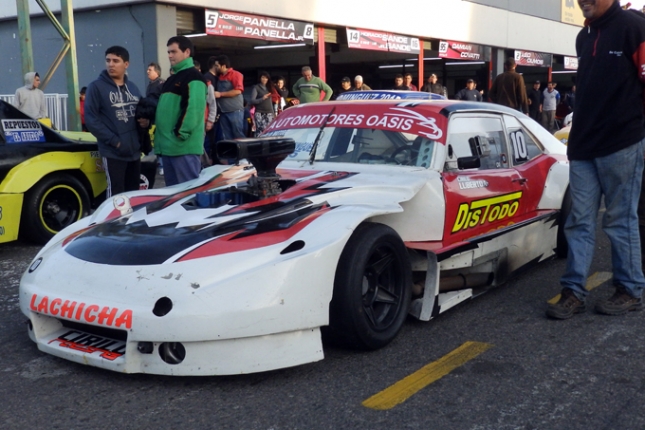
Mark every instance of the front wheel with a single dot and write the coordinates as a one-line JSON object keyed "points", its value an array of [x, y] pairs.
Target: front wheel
{"points": [[372, 288], [54, 203]]}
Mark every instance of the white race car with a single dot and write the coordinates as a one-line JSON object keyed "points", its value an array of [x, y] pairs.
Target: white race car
{"points": [[376, 210]]}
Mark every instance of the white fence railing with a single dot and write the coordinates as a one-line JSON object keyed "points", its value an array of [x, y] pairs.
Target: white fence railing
{"points": [[56, 108]]}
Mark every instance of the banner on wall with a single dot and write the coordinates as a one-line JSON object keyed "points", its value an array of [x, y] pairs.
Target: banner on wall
{"points": [[373, 40], [463, 51], [533, 59], [236, 24], [571, 63]]}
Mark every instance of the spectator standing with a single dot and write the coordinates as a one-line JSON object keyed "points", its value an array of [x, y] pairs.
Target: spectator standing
{"points": [[398, 83], [434, 87], [230, 102], [179, 133], [469, 93], [605, 151], [29, 98], [345, 86], [110, 107], [359, 85], [407, 80], [81, 104], [261, 98], [570, 98], [155, 83], [508, 88], [283, 93], [534, 97], [550, 101], [308, 88]]}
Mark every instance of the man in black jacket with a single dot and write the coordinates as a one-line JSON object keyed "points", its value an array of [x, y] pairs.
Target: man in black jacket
{"points": [[605, 151]]}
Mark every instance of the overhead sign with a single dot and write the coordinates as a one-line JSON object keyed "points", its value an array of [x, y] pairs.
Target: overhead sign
{"points": [[571, 63], [236, 24], [571, 13], [533, 59], [463, 51], [382, 41]]}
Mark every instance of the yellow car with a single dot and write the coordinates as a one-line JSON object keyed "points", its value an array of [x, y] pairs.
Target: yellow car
{"points": [[47, 181]]}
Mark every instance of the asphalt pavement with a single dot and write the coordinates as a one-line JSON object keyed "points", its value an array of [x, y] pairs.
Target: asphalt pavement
{"points": [[535, 373]]}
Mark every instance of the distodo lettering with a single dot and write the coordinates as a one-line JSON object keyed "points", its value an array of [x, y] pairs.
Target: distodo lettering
{"points": [[90, 344], [480, 212], [82, 312]]}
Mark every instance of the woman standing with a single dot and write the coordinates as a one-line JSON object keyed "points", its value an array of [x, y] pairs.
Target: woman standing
{"points": [[261, 99]]}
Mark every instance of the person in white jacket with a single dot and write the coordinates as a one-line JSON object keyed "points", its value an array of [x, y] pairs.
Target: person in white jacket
{"points": [[30, 99]]}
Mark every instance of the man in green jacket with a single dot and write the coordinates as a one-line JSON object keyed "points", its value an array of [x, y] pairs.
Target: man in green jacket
{"points": [[307, 89], [179, 136]]}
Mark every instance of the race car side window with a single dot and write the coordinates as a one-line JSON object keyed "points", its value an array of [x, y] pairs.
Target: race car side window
{"points": [[523, 145], [462, 130]]}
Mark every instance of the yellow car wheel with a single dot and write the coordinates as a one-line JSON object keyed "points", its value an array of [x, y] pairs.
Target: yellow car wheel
{"points": [[54, 203]]}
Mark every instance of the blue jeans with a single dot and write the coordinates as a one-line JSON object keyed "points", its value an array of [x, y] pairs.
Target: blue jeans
{"points": [[230, 125], [181, 168], [618, 177]]}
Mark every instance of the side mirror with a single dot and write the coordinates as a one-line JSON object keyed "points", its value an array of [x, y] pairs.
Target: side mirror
{"points": [[468, 163]]}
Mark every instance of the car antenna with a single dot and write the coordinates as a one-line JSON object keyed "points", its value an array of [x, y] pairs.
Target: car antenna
{"points": [[312, 153]]}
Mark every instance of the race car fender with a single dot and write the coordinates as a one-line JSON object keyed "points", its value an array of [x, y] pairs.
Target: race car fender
{"points": [[10, 208], [26, 174]]}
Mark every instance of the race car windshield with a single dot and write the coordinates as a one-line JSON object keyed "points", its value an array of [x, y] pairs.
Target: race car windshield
{"points": [[360, 145]]}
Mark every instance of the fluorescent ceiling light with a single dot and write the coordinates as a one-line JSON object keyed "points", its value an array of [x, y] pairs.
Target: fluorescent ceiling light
{"points": [[284, 45], [425, 59], [196, 35], [565, 71], [395, 66], [465, 63]]}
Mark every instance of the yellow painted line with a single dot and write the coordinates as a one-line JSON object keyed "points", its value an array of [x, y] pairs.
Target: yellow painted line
{"points": [[593, 281], [410, 385]]}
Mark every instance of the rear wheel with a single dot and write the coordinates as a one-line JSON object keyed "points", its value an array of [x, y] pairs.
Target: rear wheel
{"points": [[52, 204], [372, 288]]}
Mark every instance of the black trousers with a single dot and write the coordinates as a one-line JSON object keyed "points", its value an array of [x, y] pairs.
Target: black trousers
{"points": [[121, 175]]}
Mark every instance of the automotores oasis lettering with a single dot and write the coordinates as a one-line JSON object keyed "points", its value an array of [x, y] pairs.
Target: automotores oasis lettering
{"points": [[83, 312], [480, 212]]}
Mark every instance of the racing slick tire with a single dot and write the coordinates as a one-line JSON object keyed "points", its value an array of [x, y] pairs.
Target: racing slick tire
{"points": [[372, 289], [52, 204], [562, 247]]}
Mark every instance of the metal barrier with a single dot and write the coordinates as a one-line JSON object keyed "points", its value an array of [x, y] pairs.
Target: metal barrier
{"points": [[56, 108]]}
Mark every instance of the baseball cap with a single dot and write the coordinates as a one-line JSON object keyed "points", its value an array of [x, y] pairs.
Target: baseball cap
{"points": [[536, 82], [345, 79], [470, 81]]}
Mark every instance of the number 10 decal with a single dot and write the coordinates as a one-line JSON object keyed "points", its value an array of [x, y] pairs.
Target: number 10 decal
{"points": [[520, 152]]}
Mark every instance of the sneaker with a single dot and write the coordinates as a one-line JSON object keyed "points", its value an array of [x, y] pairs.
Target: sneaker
{"points": [[161, 171], [567, 306], [620, 303]]}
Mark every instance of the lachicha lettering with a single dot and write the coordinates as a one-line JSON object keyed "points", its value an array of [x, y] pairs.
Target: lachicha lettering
{"points": [[82, 312], [486, 211]]}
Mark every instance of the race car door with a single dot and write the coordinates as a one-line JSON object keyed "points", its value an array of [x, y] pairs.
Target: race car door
{"points": [[483, 191]]}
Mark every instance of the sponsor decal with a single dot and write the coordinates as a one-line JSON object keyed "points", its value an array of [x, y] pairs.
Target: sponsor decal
{"points": [[382, 41], [109, 349], [396, 119], [534, 59], [486, 211], [465, 183], [463, 51], [82, 312], [235, 24], [22, 130]]}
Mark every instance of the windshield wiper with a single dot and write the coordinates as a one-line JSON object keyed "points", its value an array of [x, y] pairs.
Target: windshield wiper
{"points": [[312, 153]]}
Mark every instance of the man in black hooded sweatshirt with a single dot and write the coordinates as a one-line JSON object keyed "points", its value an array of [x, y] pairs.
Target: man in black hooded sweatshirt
{"points": [[110, 107], [605, 151]]}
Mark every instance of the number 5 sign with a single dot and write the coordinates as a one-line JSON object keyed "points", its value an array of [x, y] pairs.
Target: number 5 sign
{"points": [[211, 18]]}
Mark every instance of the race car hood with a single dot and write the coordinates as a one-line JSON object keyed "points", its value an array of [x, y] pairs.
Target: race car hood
{"points": [[208, 217]]}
